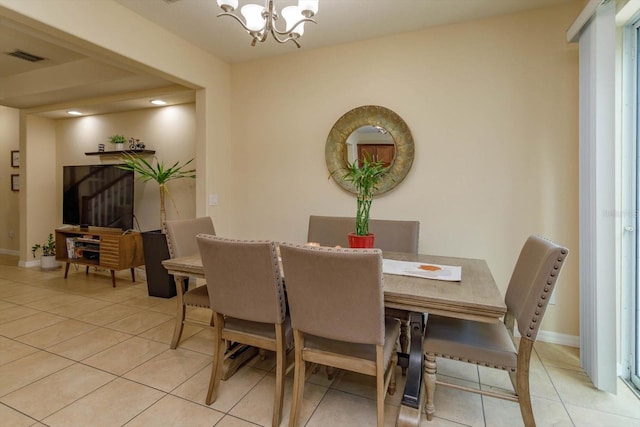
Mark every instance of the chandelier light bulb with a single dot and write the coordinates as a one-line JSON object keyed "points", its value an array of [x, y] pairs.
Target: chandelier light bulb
{"points": [[292, 16], [308, 8], [253, 16], [228, 5]]}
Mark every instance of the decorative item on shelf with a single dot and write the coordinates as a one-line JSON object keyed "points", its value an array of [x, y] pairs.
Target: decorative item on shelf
{"points": [[136, 144], [259, 21], [365, 175], [48, 259], [101, 148], [154, 243], [118, 141]]}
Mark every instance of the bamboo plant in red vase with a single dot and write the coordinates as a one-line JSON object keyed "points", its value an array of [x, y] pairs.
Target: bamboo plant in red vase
{"points": [[365, 174]]}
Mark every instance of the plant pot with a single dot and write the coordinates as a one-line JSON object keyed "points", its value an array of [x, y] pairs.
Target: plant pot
{"points": [[119, 147], [159, 282], [49, 263], [356, 241]]}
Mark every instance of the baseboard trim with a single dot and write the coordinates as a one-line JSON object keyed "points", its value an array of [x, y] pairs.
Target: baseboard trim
{"points": [[558, 338], [9, 252], [29, 264], [555, 338]]}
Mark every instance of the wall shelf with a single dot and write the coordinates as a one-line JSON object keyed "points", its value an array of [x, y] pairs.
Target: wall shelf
{"points": [[121, 152]]}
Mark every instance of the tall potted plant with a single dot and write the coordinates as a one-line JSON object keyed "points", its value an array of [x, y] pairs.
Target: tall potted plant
{"points": [[365, 175], [159, 282]]}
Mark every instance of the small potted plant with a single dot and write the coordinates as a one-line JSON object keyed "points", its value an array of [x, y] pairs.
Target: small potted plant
{"points": [[48, 259], [365, 175], [118, 141]]}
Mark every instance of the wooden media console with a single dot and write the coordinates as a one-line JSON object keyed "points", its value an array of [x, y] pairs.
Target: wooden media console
{"points": [[109, 248]]}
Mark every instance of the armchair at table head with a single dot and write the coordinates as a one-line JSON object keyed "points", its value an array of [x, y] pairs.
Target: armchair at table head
{"points": [[327, 290], [391, 235], [247, 298], [492, 344], [181, 239]]}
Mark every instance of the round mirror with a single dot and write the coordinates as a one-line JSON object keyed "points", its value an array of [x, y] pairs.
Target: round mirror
{"points": [[372, 142], [374, 131]]}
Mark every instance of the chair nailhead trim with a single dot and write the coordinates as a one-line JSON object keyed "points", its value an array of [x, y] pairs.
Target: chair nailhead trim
{"points": [[489, 365], [550, 282]]}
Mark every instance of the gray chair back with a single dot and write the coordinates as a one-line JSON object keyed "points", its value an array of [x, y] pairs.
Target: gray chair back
{"points": [[335, 293], [532, 282], [391, 235], [243, 278], [181, 235]]}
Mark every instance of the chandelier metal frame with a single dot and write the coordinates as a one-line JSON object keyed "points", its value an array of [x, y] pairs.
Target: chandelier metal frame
{"points": [[270, 15]]}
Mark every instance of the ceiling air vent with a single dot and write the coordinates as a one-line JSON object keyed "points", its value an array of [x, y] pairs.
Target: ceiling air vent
{"points": [[25, 55]]}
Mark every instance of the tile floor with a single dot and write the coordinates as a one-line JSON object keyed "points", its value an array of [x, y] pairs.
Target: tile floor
{"points": [[78, 352]]}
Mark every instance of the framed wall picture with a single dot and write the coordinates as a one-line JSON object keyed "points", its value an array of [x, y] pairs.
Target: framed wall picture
{"points": [[15, 182], [15, 158]]}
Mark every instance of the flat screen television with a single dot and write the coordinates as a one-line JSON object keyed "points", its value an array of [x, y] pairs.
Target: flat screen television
{"points": [[98, 196]]}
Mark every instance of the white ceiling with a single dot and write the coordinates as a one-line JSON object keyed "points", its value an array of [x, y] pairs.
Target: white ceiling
{"points": [[338, 21], [69, 76]]}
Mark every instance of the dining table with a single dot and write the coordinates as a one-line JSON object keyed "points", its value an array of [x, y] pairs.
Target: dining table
{"points": [[475, 296]]}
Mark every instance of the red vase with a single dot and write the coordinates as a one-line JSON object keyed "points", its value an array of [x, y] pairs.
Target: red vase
{"points": [[356, 241]]}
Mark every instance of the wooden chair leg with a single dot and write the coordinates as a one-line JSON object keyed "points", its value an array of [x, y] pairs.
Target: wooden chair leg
{"points": [[522, 382], [281, 356], [180, 312], [218, 359], [299, 376], [177, 329], [430, 369], [380, 383]]}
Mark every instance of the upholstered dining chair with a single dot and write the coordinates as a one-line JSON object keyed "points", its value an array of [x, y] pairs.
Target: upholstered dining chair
{"points": [[248, 301], [336, 304], [492, 344], [391, 236], [181, 239]]}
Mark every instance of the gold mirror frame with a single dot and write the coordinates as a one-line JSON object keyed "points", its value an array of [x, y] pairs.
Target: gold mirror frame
{"points": [[335, 150]]}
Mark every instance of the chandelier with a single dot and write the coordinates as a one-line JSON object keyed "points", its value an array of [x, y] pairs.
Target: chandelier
{"points": [[259, 21]]}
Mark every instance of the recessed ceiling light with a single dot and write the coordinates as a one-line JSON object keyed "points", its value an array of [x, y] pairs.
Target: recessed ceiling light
{"points": [[74, 113], [158, 102]]}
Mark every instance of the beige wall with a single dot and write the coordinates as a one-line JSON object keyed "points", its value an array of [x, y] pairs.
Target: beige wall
{"points": [[9, 212], [170, 131], [38, 185], [144, 46], [492, 106]]}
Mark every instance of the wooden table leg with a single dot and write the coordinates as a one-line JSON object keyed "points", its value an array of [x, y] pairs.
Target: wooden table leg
{"points": [[133, 274], [66, 270], [113, 277], [412, 399]]}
